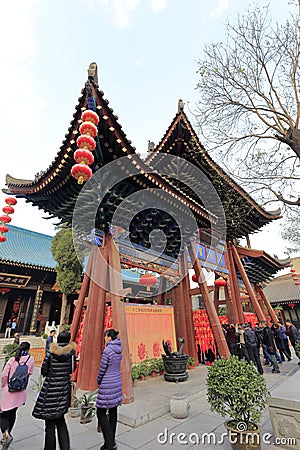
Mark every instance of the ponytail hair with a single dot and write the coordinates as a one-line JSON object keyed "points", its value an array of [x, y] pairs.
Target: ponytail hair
{"points": [[23, 348], [113, 334]]}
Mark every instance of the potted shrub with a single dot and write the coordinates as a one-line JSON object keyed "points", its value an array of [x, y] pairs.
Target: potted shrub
{"points": [[297, 349], [237, 390], [191, 362], [75, 408], [143, 370], [88, 406], [135, 372], [160, 365]]}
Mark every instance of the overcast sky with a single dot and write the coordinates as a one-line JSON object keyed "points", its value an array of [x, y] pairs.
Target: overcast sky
{"points": [[146, 52]]}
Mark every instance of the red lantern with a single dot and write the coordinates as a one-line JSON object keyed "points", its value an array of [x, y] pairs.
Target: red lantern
{"points": [[10, 201], [8, 209], [148, 280], [195, 278], [291, 305], [5, 219], [88, 128], [90, 116], [4, 290], [295, 279], [219, 282], [4, 229], [87, 142], [297, 283], [81, 173], [294, 275], [2, 238], [83, 156]]}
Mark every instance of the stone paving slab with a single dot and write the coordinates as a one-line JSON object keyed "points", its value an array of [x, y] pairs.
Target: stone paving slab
{"points": [[150, 395]]}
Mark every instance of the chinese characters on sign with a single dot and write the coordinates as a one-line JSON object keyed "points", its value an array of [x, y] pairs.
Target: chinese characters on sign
{"points": [[9, 279]]}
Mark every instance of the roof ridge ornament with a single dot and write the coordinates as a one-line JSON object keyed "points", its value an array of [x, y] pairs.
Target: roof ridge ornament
{"points": [[93, 73], [180, 105]]}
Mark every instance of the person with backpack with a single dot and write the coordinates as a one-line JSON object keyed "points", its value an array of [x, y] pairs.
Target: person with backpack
{"points": [[14, 381], [54, 399]]}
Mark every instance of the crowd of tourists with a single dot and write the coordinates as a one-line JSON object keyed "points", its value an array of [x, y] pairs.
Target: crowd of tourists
{"points": [[55, 396], [274, 342]]}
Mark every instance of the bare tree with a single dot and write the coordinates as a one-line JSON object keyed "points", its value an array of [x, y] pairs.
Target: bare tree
{"points": [[249, 106]]}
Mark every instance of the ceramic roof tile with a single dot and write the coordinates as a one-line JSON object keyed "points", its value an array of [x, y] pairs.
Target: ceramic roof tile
{"points": [[27, 247]]}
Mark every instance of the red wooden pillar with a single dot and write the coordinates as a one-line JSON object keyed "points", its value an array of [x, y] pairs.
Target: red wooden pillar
{"points": [[82, 295], [119, 315], [216, 297], [93, 332], [265, 299], [232, 314], [160, 298], [238, 315], [258, 311], [179, 314], [190, 347], [210, 309]]}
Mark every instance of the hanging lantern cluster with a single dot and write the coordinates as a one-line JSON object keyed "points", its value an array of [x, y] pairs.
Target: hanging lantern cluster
{"points": [[5, 219], [295, 277], [86, 145]]}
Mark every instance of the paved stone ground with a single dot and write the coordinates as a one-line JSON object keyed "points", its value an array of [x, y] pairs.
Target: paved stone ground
{"points": [[150, 395]]}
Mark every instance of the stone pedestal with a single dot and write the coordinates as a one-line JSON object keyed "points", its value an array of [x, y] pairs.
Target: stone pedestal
{"points": [[284, 409], [285, 418], [179, 406]]}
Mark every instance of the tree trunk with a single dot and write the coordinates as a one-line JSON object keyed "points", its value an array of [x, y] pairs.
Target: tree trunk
{"points": [[62, 321]]}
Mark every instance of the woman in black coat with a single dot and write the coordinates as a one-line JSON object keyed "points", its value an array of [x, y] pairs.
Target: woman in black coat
{"points": [[54, 399]]}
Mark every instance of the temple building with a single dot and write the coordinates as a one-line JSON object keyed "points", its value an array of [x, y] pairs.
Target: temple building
{"points": [[27, 281], [174, 211]]}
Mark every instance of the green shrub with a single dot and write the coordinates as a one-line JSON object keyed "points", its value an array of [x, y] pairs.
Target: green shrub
{"points": [[191, 361], [9, 350], [236, 389], [44, 335]]}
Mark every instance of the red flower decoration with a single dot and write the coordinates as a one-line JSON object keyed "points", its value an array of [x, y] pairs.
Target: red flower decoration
{"points": [[87, 142], [90, 116], [142, 352], [156, 350]]}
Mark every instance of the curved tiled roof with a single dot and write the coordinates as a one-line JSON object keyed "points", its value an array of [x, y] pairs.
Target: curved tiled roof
{"points": [[27, 248], [282, 290]]}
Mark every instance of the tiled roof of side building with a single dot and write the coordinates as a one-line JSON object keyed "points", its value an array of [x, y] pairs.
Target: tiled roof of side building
{"points": [[27, 248], [282, 290]]}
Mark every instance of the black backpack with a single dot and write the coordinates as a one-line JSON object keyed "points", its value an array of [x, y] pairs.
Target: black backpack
{"points": [[19, 380]]}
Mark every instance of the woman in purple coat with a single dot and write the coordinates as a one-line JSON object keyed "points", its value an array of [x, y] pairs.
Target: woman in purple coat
{"points": [[110, 389]]}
